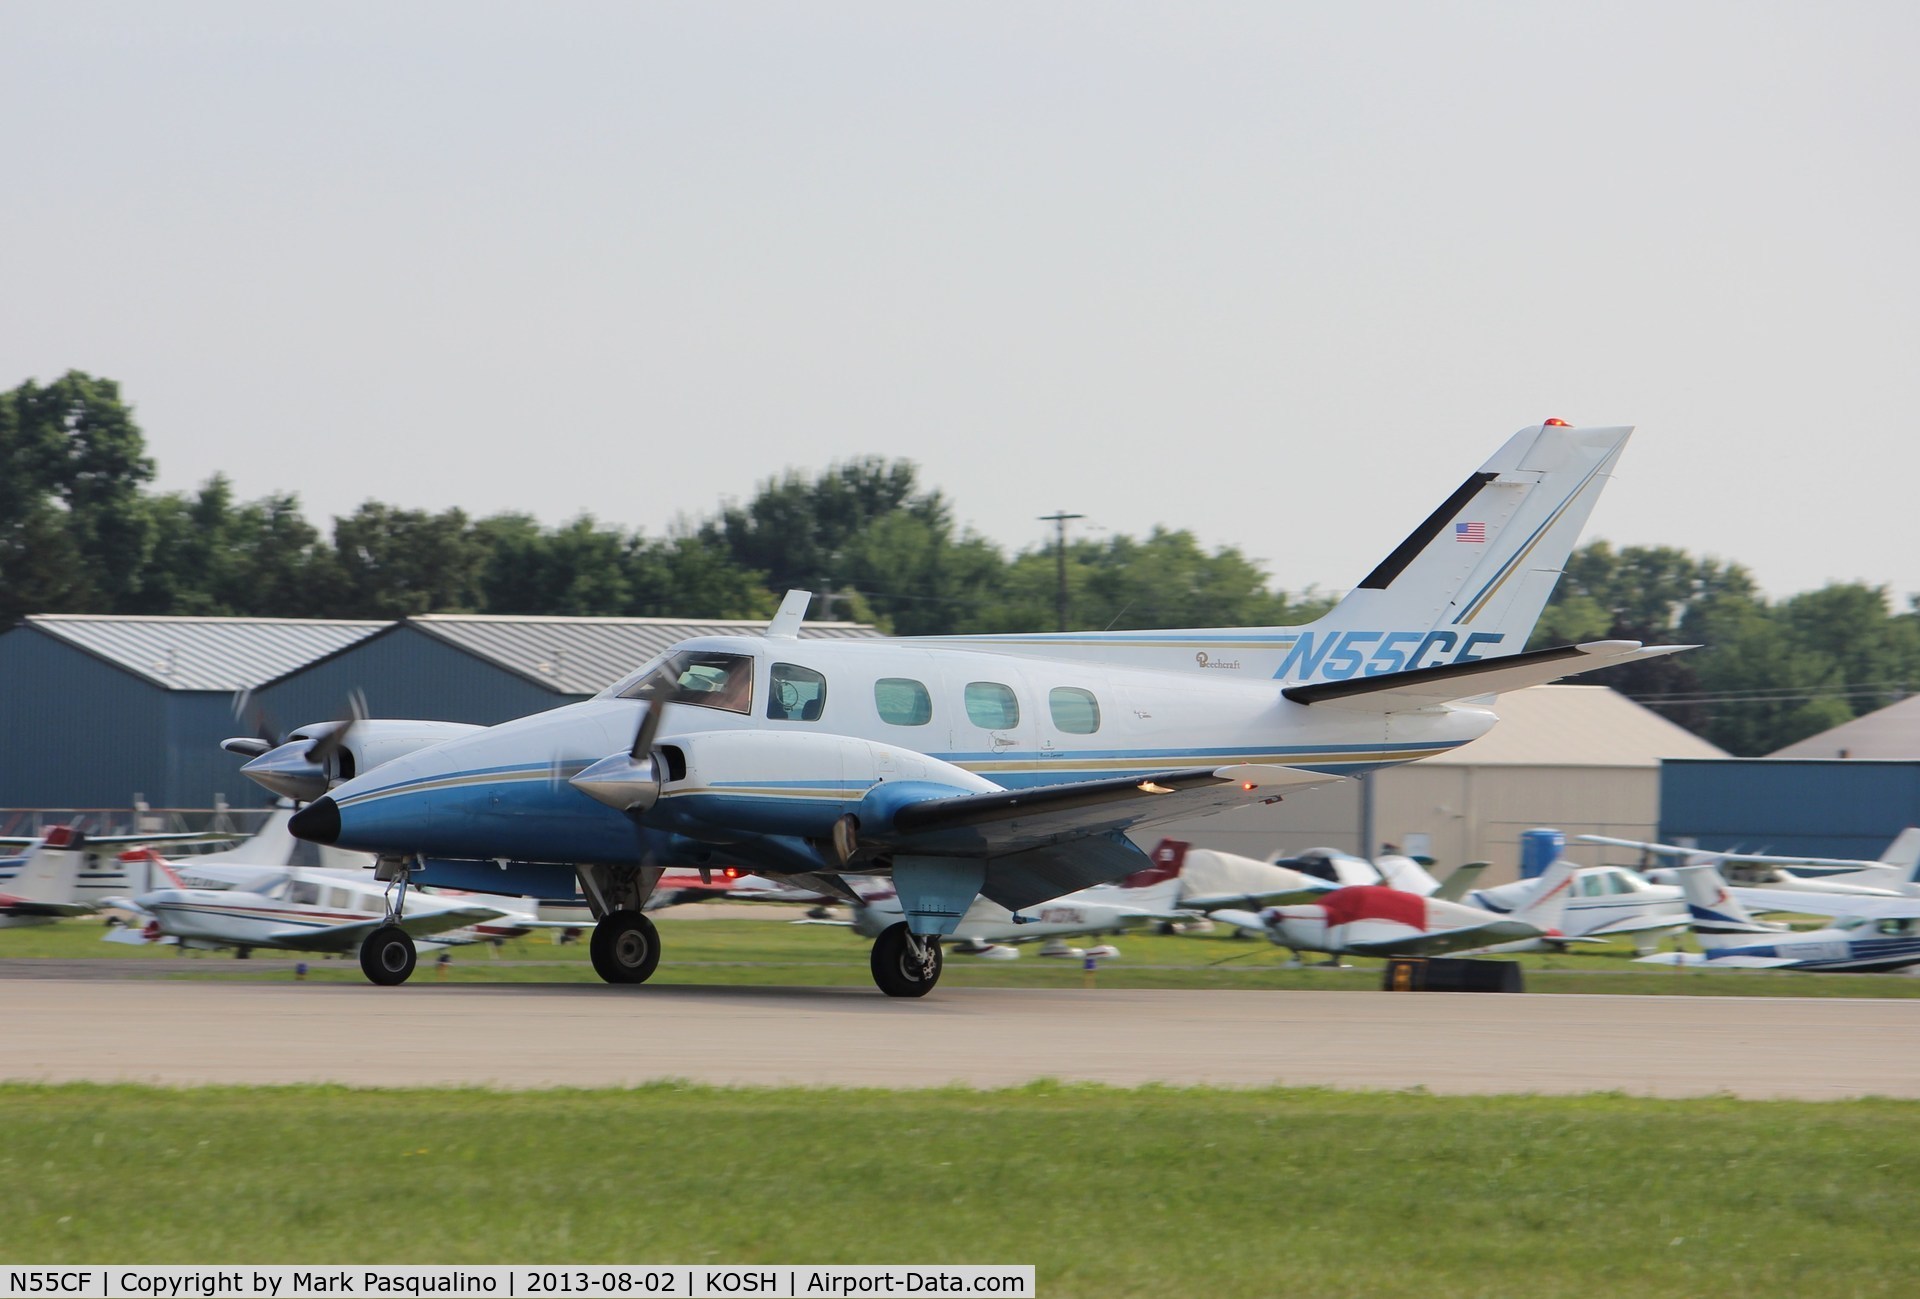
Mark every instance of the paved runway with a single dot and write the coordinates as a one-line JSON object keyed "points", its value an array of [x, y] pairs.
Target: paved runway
{"points": [[592, 1035]]}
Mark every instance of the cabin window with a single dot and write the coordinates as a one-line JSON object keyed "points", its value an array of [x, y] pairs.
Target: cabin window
{"points": [[992, 706], [902, 701], [1075, 711], [304, 893], [341, 900], [1896, 928], [1590, 887], [703, 678], [796, 694], [1620, 884]]}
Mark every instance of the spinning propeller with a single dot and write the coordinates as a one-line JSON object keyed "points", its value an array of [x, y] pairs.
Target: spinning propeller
{"points": [[296, 767]]}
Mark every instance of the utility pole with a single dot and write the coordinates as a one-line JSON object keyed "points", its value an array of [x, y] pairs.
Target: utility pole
{"points": [[1059, 521]]}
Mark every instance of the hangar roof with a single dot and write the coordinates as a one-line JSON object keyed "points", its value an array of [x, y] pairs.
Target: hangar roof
{"points": [[1577, 726], [1890, 733], [203, 653], [581, 656]]}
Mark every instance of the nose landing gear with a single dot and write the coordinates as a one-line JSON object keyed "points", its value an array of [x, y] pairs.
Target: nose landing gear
{"points": [[625, 947]]}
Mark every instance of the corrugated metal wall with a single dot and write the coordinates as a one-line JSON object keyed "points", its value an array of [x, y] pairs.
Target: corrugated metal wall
{"points": [[1822, 808], [74, 731]]}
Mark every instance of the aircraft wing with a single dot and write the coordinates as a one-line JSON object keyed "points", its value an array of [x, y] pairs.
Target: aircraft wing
{"points": [[1694, 960], [1439, 942], [1793, 901], [110, 840], [1811, 866], [1398, 692], [1045, 842], [1014, 820], [348, 937], [12, 906]]}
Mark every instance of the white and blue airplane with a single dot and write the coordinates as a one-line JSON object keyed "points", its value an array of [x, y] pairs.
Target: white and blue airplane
{"points": [[1869, 934], [1009, 766]]}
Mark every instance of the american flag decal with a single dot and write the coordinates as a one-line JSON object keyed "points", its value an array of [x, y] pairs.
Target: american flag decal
{"points": [[1469, 532]]}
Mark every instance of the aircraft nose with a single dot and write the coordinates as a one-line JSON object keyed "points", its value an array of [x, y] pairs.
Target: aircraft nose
{"points": [[317, 822]]}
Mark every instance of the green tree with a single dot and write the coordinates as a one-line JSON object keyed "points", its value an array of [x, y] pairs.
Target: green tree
{"points": [[72, 464], [394, 562]]}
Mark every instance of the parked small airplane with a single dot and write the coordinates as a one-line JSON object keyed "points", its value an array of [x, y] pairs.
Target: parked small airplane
{"points": [[1009, 767], [311, 910], [1374, 920], [1873, 934], [1895, 874], [1603, 901]]}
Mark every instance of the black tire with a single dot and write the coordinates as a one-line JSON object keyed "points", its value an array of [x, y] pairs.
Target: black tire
{"points": [[387, 956], [897, 970], [625, 947]]}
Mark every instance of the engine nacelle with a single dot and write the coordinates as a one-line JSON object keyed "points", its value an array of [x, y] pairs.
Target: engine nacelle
{"points": [[794, 783], [292, 772]]}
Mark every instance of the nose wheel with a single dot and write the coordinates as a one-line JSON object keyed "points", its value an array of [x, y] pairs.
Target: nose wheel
{"points": [[387, 956], [905, 964], [625, 947]]}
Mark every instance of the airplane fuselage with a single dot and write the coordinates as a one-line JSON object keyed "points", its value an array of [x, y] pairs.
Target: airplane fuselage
{"points": [[877, 711]]}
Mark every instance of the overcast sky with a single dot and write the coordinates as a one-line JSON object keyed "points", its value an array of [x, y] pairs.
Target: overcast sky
{"points": [[1278, 273]]}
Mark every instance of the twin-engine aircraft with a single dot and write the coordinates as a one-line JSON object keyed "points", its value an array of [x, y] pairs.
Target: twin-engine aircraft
{"points": [[1008, 767]]}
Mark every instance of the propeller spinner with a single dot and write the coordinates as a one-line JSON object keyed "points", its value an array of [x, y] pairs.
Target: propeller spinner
{"points": [[630, 781]]}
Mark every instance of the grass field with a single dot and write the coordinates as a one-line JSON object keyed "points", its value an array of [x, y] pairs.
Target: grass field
{"points": [[1107, 1192], [760, 951]]}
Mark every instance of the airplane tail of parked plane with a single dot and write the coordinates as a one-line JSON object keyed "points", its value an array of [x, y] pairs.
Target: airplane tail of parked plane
{"points": [[51, 872], [1904, 855], [1718, 918], [1547, 904]]}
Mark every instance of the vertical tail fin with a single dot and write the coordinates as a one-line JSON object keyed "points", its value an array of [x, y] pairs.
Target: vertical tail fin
{"points": [[1718, 918], [1471, 580], [51, 872], [1547, 904], [1904, 854]]}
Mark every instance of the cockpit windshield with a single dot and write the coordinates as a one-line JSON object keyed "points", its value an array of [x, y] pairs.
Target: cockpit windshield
{"points": [[703, 678]]}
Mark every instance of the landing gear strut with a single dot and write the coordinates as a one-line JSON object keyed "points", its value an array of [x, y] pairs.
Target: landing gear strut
{"points": [[905, 964], [625, 947], [386, 955]]}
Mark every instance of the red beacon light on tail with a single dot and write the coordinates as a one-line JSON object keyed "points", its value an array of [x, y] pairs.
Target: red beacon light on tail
{"points": [[1557, 423]]}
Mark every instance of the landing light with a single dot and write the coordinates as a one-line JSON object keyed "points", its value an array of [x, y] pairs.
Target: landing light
{"points": [[1148, 787], [1247, 785]]}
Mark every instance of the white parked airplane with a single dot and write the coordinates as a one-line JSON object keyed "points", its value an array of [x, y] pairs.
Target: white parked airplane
{"points": [[1895, 874], [1009, 767], [310, 910], [1603, 901], [1872, 934], [1374, 920], [990, 930]]}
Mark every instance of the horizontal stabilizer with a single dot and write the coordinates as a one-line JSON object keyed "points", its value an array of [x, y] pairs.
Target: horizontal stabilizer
{"points": [[1395, 692]]}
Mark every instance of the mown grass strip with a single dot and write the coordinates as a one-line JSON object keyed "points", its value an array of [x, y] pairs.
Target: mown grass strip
{"points": [[1108, 1192]]}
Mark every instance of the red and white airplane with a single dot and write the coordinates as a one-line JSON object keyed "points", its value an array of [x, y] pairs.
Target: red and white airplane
{"points": [[1374, 920]]}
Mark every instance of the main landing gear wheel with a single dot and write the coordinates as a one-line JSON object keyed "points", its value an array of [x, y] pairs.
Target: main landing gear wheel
{"points": [[387, 955], [625, 947], [905, 965]]}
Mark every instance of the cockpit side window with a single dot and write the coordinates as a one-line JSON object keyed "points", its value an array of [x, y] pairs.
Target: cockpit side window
{"points": [[703, 678], [796, 694]]}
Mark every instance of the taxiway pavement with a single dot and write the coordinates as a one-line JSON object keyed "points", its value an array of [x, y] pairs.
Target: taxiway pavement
{"points": [[587, 1035]]}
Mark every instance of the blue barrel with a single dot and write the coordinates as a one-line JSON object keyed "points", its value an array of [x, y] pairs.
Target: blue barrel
{"points": [[1540, 849]]}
